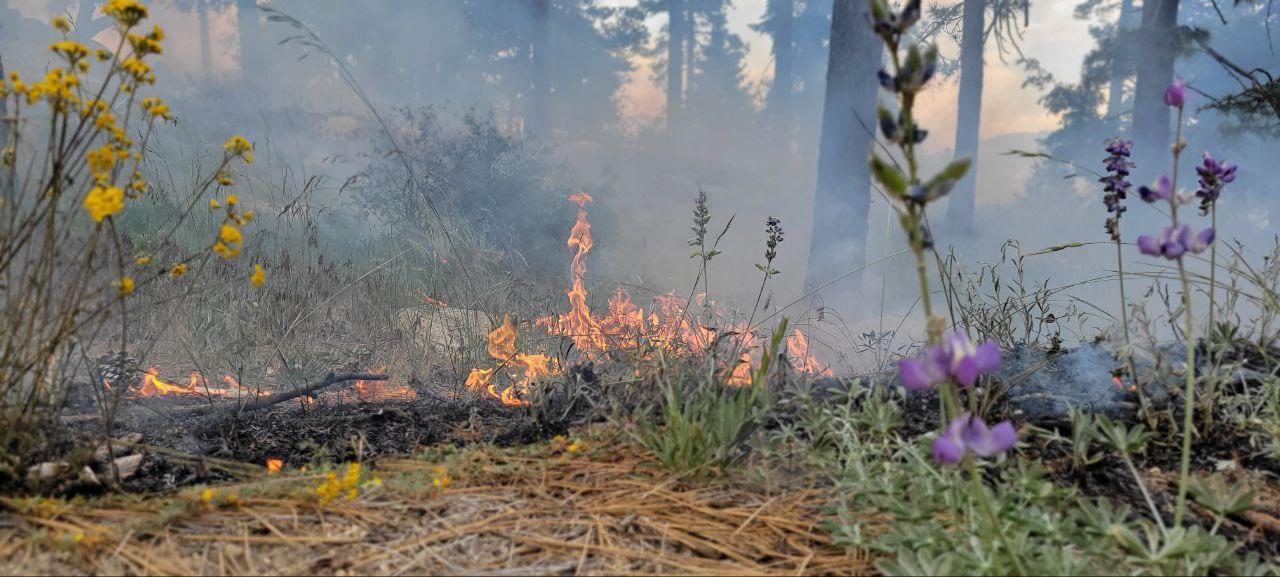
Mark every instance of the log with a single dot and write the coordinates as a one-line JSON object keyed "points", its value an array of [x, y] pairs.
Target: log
{"points": [[273, 400]]}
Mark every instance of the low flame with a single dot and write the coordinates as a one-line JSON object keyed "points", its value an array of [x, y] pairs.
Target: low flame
{"points": [[274, 466], [154, 386], [1119, 382], [377, 391], [665, 325]]}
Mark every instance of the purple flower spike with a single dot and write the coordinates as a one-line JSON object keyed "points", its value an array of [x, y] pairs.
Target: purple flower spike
{"points": [[969, 434], [1175, 242], [1214, 175], [1176, 94], [1161, 189], [955, 358]]}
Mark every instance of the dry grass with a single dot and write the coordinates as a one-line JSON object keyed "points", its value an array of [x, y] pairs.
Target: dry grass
{"points": [[528, 510]]}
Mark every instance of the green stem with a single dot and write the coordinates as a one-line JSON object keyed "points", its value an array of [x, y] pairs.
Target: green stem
{"points": [[1189, 406], [1142, 487], [1188, 422], [980, 494], [1124, 320]]}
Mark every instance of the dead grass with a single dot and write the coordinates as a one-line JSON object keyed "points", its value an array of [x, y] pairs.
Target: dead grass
{"points": [[528, 510]]}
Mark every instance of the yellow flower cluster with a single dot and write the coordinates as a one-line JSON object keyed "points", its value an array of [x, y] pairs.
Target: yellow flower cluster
{"points": [[347, 487], [239, 146], [258, 277], [440, 478], [104, 201], [127, 13], [155, 107], [144, 44], [125, 284], [230, 238], [58, 87], [178, 270]]}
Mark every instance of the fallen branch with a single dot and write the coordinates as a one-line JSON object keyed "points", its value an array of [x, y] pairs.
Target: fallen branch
{"points": [[273, 400]]}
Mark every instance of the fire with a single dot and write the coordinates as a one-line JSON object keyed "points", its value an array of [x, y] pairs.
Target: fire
{"points": [[1119, 382], [798, 351], [529, 367], [375, 391], [274, 466], [154, 386], [666, 325]]}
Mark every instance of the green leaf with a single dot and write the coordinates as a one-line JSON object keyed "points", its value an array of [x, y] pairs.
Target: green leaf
{"points": [[889, 176], [956, 170]]}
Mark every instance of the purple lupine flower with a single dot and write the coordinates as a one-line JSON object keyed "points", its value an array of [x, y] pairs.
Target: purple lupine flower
{"points": [[969, 434], [1116, 184], [1161, 189], [1174, 242], [1176, 94], [955, 358], [1214, 175]]}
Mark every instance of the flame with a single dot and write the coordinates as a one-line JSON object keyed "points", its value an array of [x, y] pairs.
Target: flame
{"points": [[666, 325], [274, 466], [798, 351], [376, 391], [154, 386]]}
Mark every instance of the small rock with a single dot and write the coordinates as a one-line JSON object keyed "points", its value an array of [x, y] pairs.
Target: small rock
{"points": [[128, 465], [47, 471]]}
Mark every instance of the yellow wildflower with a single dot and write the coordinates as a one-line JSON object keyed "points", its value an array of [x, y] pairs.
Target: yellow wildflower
{"points": [[258, 277], [178, 270], [232, 200], [237, 145], [61, 23], [72, 50], [440, 477], [126, 12], [125, 284], [206, 496], [103, 202], [214, 204], [142, 259]]}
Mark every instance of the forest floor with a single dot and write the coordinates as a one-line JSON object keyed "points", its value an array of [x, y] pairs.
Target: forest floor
{"points": [[588, 503]]}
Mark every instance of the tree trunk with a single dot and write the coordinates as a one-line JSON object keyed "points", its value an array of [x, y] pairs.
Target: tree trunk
{"points": [[1155, 72], [206, 53], [779, 104], [252, 55], [539, 121], [1121, 61], [968, 121], [675, 63], [842, 196]]}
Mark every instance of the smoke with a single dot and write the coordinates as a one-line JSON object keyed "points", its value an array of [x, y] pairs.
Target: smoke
{"points": [[469, 66]]}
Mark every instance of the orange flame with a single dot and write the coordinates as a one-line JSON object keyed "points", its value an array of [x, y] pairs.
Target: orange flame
{"points": [[274, 466], [154, 386], [376, 391], [666, 325]]}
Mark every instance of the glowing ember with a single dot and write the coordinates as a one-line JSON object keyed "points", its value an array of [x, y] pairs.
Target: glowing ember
{"points": [[1119, 382]]}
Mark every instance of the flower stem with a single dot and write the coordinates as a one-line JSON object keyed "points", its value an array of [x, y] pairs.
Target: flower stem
{"points": [[980, 494], [1124, 320], [1188, 422]]}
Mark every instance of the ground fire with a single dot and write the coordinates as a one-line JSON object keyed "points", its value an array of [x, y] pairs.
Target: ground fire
{"points": [[624, 326]]}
